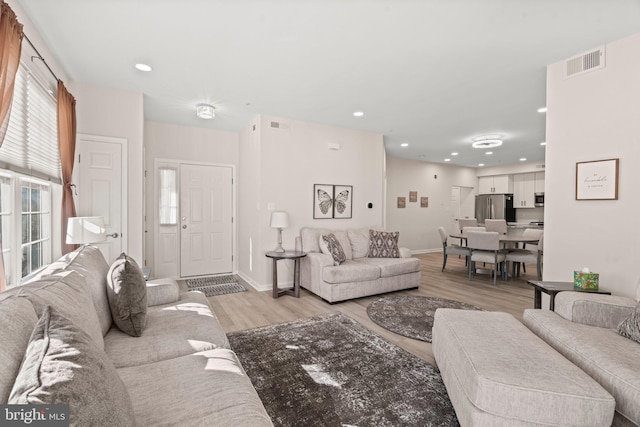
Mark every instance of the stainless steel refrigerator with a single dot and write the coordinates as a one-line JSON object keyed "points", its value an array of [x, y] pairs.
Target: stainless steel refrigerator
{"points": [[495, 206]]}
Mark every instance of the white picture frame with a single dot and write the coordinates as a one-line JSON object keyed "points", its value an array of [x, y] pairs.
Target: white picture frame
{"points": [[597, 180]]}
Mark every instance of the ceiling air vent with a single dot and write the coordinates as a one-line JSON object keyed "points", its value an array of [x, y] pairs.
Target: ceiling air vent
{"points": [[279, 125], [589, 61]]}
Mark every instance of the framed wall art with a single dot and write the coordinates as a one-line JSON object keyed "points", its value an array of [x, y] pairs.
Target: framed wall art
{"points": [[597, 180], [424, 202], [413, 196], [332, 201], [402, 202]]}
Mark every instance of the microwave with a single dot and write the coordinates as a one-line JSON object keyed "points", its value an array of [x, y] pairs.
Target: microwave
{"points": [[539, 199]]}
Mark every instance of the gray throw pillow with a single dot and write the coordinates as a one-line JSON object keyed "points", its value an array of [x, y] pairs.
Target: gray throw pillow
{"points": [[383, 244], [127, 295], [63, 364], [335, 248], [630, 327]]}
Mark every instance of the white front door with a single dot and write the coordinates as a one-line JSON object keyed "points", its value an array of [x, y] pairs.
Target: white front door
{"points": [[98, 175], [206, 229]]}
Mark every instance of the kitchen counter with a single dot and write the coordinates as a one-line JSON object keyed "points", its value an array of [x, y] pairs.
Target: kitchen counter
{"points": [[517, 225]]}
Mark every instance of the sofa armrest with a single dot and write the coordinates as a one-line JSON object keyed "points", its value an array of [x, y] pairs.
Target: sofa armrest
{"points": [[604, 311], [405, 252], [319, 260], [162, 291]]}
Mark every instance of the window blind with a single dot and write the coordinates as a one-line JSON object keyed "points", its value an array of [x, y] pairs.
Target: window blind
{"points": [[31, 143]]}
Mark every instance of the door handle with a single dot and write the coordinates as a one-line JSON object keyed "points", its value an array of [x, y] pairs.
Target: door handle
{"points": [[114, 235], [184, 226]]}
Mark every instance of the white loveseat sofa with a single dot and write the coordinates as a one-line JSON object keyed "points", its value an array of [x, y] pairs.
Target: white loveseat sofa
{"points": [[180, 371], [582, 328], [359, 275]]}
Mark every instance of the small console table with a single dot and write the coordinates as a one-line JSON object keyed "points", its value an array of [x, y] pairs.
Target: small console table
{"points": [[553, 288], [295, 256]]}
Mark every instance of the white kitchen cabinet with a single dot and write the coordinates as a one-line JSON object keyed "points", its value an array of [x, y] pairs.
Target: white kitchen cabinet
{"points": [[497, 184], [539, 186], [524, 189]]}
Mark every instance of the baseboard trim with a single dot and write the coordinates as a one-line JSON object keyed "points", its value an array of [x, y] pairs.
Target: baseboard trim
{"points": [[255, 285], [425, 251]]}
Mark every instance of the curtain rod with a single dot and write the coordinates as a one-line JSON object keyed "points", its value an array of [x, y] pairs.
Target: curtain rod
{"points": [[40, 57]]}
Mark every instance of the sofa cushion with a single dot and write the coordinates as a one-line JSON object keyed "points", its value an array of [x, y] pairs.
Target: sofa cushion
{"points": [[630, 327], [201, 389], [127, 295], [62, 364], [18, 319], [176, 329], [310, 238], [69, 294], [89, 262], [383, 244], [390, 267], [610, 359], [359, 240], [331, 246], [507, 372], [350, 271]]}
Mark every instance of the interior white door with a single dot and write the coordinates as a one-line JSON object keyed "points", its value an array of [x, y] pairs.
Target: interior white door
{"points": [[206, 229], [455, 208], [98, 176]]}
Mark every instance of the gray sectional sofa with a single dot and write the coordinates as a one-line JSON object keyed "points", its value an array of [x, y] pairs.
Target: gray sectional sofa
{"points": [[582, 328], [180, 371], [359, 276]]}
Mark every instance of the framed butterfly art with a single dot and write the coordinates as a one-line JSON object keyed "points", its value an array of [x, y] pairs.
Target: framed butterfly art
{"points": [[332, 201]]}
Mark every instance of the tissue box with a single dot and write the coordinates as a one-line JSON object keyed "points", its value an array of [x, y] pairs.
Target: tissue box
{"points": [[586, 280]]}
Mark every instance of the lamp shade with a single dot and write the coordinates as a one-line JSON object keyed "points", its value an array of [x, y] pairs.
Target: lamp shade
{"points": [[279, 220], [85, 229]]}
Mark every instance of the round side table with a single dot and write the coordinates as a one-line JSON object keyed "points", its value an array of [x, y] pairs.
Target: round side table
{"points": [[295, 256]]}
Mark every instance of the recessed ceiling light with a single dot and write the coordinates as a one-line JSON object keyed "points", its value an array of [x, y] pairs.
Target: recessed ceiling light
{"points": [[205, 111], [488, 153], [447, 160], [542, 110], [487, 141], [358, 114], [454, 154], [143, 67], [480, 164], [543, 143], [523, 159], [404, 144]]}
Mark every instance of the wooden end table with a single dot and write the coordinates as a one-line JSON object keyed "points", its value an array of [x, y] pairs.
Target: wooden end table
{"points": [[295, 256], [553, 288]]}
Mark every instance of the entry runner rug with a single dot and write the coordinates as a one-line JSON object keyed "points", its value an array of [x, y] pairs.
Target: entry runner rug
{"points": [[215, 285], [331, 371], [410, 316]]}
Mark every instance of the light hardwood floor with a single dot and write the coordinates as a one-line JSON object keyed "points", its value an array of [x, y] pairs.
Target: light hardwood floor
{"points": [[252, 309]]}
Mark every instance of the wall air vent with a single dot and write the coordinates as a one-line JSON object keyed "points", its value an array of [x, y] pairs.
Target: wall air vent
{"points": [[589, 61], [279, 125]]}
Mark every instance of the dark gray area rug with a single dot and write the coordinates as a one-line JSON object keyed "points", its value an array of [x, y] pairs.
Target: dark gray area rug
{"points": [[215, 285], [331, 371], [411, 316]]}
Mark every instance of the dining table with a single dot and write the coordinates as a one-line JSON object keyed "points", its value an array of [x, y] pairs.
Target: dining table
{"points": [[504, 238]]}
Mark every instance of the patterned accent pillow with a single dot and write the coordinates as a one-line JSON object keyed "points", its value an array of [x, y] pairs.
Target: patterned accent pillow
{"points": [[335, 248], [383, 244], [630, 327]]}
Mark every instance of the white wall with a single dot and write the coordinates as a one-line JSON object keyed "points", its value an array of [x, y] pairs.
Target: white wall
{"points": [[291, 160], [511, 169], [418, 226], [594, 116], [184, 144], [117, 113]]}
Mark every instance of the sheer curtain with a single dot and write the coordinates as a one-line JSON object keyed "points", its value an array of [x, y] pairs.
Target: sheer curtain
{"points": [[67, 147], [10, 47]]}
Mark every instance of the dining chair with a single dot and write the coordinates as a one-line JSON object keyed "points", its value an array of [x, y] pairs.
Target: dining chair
{"points": [[451, 249], [498, 225], [485, 247], [522, 256], [465, 230], [467, 222]]}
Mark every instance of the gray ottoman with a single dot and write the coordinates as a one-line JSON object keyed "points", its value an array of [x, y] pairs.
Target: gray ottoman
{"points": [[498, 373]]}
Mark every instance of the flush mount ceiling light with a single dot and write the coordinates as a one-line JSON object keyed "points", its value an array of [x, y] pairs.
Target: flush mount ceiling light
{"points": [[487, 141], [143, 67], [205, 111]]}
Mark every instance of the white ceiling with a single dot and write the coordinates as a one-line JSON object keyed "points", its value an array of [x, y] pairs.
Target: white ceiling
{"points": [[430, 73]]}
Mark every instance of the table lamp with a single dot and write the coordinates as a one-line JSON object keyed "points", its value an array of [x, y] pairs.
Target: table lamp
{"points": [[279, 220], [85, 229]]}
